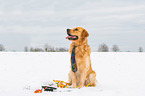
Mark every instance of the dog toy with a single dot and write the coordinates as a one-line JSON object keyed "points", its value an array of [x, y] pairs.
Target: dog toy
{"points": [[45, 88], [61, 84], [90, 85], [38, 91], [48, 88]]}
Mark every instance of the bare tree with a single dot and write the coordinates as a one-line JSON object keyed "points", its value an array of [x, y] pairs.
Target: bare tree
{"points": [[115, 48], [2, 47], [26, 49], [103, 48], [36, 50], [46, 47], [49, 48], [31, 49], [140, 49], [61, 49]]}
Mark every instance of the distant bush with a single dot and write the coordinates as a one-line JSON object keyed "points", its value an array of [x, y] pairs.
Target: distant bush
{"points": [[115, 48], [2, 47], [140, 49], [103, 48]]}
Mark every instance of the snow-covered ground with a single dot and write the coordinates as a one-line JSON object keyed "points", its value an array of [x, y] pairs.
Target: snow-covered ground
{"points": [[118, 74]]}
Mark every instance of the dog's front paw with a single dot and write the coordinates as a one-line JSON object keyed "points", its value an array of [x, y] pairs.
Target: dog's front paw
{"points": [[81, 86], [74, 86]]}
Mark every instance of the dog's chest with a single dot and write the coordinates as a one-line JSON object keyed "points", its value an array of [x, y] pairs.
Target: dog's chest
{"points": [[85, 65], [80, 52]]}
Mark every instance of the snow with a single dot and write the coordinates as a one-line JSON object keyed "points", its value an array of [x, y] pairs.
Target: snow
{"points": [[118, 73]]}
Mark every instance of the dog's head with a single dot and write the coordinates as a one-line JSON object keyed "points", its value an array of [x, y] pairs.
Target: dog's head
{"points": [[77, 34]]}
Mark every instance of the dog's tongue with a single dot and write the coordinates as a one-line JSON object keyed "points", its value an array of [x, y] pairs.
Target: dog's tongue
{"points": [[69, 37]]}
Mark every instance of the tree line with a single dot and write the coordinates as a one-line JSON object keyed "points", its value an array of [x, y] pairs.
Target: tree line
{"points": [[47, 48], [104, 48]]}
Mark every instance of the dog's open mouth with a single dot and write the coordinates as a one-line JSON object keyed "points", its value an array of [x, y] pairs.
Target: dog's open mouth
{"points": [[72, 37]]}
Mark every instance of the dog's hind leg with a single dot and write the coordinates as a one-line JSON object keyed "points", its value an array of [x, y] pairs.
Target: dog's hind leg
{"points": [[91, 79]]}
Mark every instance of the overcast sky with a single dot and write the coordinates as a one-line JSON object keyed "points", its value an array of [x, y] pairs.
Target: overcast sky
{"points": [[34, 23]]}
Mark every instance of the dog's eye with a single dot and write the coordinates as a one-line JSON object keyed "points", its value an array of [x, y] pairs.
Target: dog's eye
{"points": [[76, 29]]}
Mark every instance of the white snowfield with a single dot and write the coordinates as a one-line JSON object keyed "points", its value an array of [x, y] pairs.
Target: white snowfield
{"points": [[118, 74]]}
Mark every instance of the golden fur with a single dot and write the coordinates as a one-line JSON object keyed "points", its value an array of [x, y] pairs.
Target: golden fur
{"points": [[84, 74]]}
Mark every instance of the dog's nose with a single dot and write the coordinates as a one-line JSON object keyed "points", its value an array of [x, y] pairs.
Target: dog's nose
{"points": [[68, 30]]}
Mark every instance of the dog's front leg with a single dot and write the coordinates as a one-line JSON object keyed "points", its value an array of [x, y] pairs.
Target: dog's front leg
{"points": [[82, 77], [74, 79]]}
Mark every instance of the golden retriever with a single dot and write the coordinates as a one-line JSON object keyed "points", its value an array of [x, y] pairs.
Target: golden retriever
{"points": [[84, 74]]}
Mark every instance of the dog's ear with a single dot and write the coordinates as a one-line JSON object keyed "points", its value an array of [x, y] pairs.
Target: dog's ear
{"points": [[85, 33]]}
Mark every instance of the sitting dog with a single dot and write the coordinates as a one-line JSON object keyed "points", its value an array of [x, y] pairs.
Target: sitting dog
{"points": [[81, 71]]}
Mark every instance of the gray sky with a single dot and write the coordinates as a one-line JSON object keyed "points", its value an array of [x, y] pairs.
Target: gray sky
{"points": [[39, 22]]}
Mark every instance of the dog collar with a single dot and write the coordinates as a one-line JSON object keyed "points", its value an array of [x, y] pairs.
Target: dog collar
{"points": [[73, 61]]}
